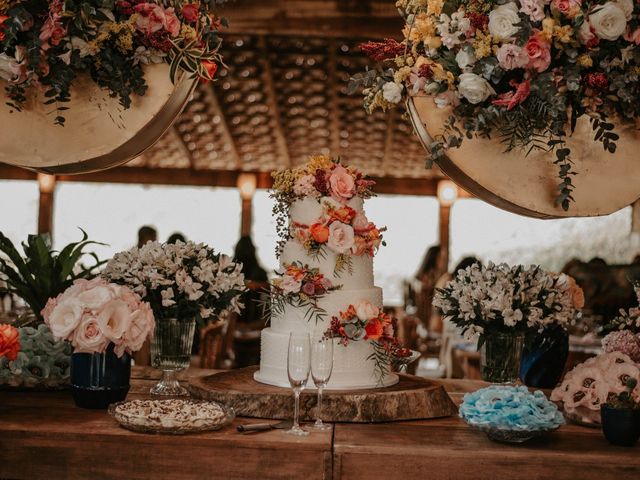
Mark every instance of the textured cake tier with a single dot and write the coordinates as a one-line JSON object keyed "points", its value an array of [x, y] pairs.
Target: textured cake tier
{"points": [[352, 369], [360, 276], [294, 320], [307, 211]]}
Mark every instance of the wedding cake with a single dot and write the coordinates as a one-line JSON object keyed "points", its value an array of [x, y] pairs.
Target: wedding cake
{"points": [[326, 285]]}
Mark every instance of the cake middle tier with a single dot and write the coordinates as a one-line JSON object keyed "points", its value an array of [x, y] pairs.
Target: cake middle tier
{"points": [[295, 319], [358, 275]]}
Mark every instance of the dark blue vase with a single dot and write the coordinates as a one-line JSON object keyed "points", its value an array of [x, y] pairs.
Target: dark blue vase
{"points": [[544, 358], [100, 379], [621, 426]]}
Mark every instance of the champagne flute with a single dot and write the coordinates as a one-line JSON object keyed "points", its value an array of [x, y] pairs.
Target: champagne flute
{"points": [[298, 366], [321, 368]]}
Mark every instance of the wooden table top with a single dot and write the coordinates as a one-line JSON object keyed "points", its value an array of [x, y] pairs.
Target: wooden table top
{"points": [[43, 435]]}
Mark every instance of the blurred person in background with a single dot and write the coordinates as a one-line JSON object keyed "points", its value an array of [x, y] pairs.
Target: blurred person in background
{"points": [[146, 234], [176, 237]]}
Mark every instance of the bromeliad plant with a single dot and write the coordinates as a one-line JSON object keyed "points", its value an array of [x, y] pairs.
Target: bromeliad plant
{"points": [[300, 287], [44, 46], [42, 272], [520, 70]]}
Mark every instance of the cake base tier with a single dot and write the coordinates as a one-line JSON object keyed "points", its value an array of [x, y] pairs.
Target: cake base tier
{"points": [[412, 398], [390, 379]]}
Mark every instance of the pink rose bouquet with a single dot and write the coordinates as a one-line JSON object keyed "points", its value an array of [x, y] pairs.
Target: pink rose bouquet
{"points": [[91, 314]]}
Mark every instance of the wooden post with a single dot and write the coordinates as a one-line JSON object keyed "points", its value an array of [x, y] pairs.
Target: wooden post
{"points": [[635, 217], [445, 216], [47, 185], [245, 226]]}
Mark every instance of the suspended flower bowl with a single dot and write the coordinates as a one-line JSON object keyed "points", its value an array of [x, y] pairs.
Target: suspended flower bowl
{"points": [[527, 184]]}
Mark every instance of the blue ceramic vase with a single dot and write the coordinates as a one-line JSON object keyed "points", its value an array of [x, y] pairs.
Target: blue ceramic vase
{"points": [[621, 426], [544, 358], [100, 379]]}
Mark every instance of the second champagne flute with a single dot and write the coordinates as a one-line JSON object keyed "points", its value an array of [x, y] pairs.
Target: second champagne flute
{"points": [[321, 368], [298, 366]]}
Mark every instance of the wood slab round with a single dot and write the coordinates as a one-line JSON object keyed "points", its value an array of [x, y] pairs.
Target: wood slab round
{"points": [[528, 185], [412, 398]]}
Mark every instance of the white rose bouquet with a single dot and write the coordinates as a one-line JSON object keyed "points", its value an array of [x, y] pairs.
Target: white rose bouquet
{"points": [[182, 280], [499, 299], [91, 314]]}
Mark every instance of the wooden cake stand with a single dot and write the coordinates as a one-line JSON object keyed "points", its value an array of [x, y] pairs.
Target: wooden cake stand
{"points": [[412, 398]]}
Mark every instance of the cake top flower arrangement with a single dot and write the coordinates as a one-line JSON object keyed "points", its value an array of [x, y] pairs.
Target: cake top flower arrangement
{"points": [[182, 280], [44, 46], [91, 314], [489, 299], [300, 286], [520, 70], [364, 321]]}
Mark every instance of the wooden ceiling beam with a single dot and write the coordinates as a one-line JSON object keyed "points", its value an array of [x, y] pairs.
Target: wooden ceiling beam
{"points": [[318, 18], [211, 178], [213, 100]]}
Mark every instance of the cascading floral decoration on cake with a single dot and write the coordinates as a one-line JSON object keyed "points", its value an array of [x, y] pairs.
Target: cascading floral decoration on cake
{"points": [[340, 228], [301, 287], [45, 45], [523, 71], [364, 321]]}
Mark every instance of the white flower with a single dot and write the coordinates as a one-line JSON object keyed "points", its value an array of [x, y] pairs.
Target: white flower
{"points": [[304, 187], [626, 6], [366, 310], [85, 49], [533, 8], [608, 21], [511, 317], [453, 29], [392, 92], [95, 297], [465, 58], [341, 237], [289, 284], [447, 98], [474, 88], [167, 297], [65, 318], [512, 56], [114, 320], [9, 68], [503, 21]]}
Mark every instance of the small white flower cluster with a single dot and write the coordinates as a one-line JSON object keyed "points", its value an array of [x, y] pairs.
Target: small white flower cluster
{"points": [[182, 278], [482, 300]]}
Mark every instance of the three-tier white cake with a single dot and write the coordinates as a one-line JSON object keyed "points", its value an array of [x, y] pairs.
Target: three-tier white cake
{"points": [[354, 364]]}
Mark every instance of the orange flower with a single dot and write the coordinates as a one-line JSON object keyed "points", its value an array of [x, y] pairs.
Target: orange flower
{"points": [[360, 246], [319, 232], [343, 214], [349, 314], [9, 342], [3, 18], [211, 68], [374, 329]]}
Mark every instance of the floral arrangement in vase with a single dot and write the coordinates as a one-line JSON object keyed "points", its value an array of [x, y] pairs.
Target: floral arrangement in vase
{"points": [[322, 176], [181, 280], [91, 314], [624, 332], [9, 342], [44, 46], [364, 321], [300, 286], [484, 300], [593, 383], [520, 70], [42, 362], [342, 230]]}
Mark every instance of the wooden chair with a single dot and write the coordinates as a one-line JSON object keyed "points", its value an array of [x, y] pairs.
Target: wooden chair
{"points": [[212, 344]]}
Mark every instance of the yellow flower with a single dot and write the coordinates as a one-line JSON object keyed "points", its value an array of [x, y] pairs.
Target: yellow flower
{"points": [[421, 30], [434, 7], [401, 75], [318, 162], [563, 34], [7, 4], [482, 45], [548, 25], [585, 61]]}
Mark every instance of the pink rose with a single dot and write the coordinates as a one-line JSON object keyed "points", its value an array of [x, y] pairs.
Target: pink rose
{"points": [[190, 12], [587, 35], [88, 338], [309, 288], [342, 184], [366, 310], [64, 318], [52, 303], [633, 37], [533, 8], [153, 17], [114, 320], [96, 293], [569, 8], [539, 52], [290, 284], [360, 222], [140, 329], [512, 56], [341, 237]]}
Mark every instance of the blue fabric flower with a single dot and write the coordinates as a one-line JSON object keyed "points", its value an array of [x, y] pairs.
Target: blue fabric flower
{"points": [[510, 408]]}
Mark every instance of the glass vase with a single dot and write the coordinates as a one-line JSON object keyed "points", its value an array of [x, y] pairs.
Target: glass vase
{"points": [[100, 379], [500, 357], [544, 358], [171, 353]]}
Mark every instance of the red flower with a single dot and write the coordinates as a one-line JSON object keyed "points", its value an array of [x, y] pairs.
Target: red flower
{"points": [[374, 329], [425, 71], [597, 81], [512, 99], [479, 21], [379, 51], [320, 183], [190, 12], [3, 18], [211, 68], [9, 342]]}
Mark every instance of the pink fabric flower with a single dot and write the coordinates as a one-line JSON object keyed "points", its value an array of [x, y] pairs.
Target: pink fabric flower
{"points": [[341, 184], [533, 8], [153, 18], [587, 34], [341, 237], [511, 56], [623, 341], [52, 31], [88, 338], [539, 52], [633, 37]]}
